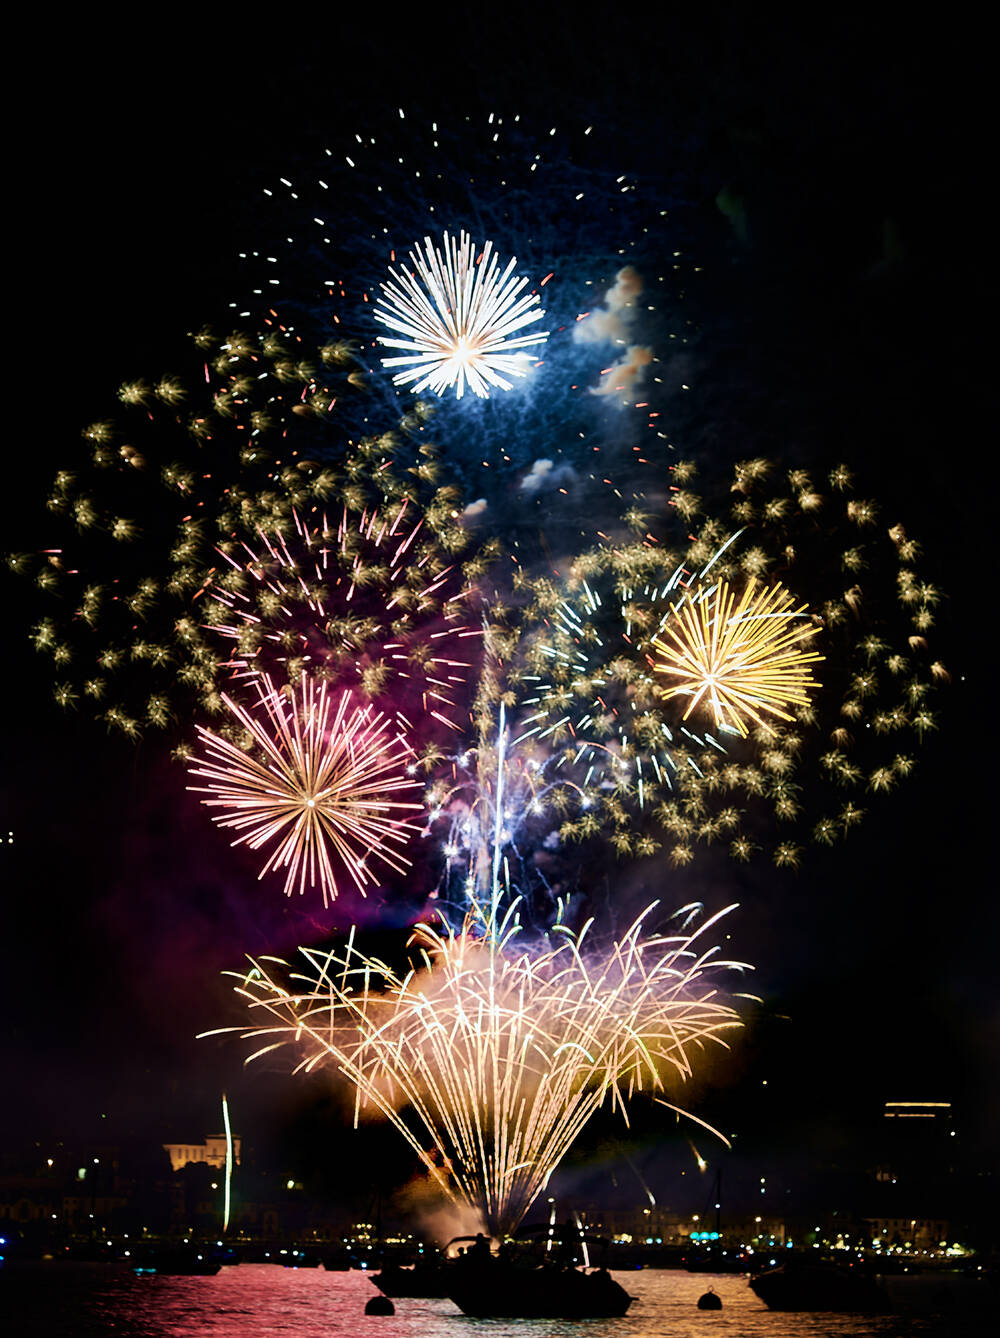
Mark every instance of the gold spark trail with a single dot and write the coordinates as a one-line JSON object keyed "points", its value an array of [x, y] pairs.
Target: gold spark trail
{"points": [[489, 1059]]}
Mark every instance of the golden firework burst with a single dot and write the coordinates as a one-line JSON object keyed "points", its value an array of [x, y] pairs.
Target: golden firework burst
{"points": [[324, 783], [739, 655], [490, 1058]]}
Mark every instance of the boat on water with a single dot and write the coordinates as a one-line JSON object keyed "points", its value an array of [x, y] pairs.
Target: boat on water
{"points": [[180, 1262], [544, 1272], [299, 1258], [505, 1291], [534, 1276], [427, 1278], [398, 1281], [828, 1287], [717, 1260]]}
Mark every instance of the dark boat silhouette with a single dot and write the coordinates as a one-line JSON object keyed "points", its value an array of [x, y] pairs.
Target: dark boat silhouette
{"points": [[299, 1258], [536, 1276], [505, 1291], [715, 1259], [180, 1261], [421, 1280], [425, 1279], [808, 1286]]}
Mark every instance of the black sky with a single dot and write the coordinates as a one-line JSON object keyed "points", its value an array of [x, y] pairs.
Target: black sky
{"points": [[851, 317]]}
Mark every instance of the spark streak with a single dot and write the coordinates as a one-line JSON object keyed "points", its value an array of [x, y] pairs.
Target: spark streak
{"points": [[229, 1163]]}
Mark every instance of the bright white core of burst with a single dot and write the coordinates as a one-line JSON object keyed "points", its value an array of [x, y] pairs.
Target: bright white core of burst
{"points": [[460, 317]]}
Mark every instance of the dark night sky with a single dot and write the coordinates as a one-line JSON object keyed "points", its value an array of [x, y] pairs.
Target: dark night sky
{"points": [[119, 911]]}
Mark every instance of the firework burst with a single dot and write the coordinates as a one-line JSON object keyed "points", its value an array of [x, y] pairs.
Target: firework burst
{"points": [[528, 189], [815, 765], [183, 508], [597, 691], [575, 662], [737, 655], [460, 317], [590, 724], [322, 790], [494, 806], [489, 1058], [370, 601]]}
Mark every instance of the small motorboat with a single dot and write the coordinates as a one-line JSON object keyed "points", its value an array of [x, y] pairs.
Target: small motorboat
{"points": [[428, 1277], [802, 1286], [427, 1280]]}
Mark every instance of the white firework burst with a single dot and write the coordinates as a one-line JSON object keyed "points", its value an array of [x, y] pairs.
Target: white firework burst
{"points": [[460, 317]]}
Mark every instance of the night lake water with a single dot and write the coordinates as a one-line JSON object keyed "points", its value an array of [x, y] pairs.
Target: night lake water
{"points": [[253, 1300]]}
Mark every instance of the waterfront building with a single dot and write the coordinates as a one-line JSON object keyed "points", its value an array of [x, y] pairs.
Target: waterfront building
{"points": [[210, 1153]]}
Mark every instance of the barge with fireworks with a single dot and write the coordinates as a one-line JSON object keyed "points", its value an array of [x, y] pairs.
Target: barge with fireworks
{"points": [[505, 1291], [534, 1276]]}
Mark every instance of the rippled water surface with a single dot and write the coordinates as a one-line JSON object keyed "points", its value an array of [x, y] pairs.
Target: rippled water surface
{"points": [[258, 1300]]}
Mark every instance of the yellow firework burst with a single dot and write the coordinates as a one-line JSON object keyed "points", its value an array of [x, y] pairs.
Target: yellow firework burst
{"points": [[739, 655]]}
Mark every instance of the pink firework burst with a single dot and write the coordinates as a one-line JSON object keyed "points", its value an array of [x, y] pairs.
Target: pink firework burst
{"points": [[321, 786]]}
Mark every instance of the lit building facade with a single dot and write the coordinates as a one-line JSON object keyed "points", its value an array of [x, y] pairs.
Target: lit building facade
{"points": [[210, 1153]]}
